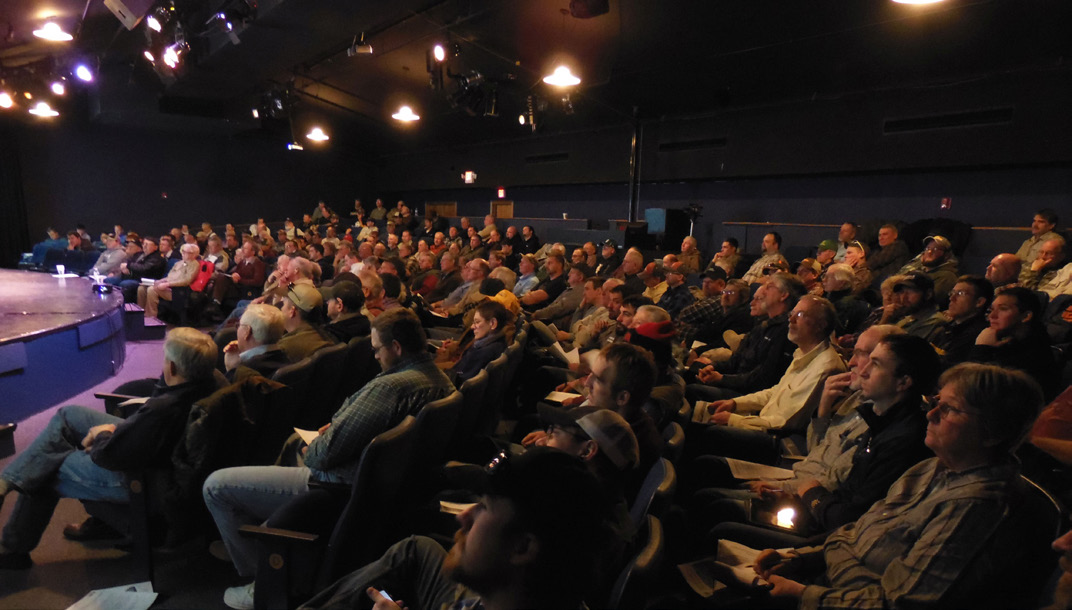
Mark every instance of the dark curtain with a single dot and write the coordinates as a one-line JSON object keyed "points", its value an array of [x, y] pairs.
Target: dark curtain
{"points": [[14, 224]]}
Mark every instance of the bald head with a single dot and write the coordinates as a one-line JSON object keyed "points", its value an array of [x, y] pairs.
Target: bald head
{"points": [[1003, 269]]}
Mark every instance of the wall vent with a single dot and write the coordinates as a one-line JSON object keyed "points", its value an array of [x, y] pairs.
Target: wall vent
{"points": [[975, 118]]}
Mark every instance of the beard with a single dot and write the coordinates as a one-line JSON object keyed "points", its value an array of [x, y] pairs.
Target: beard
{"points": [[451, 563]]}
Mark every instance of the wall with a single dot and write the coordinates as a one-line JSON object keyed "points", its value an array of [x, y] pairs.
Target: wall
{"points": [[102, 174]]}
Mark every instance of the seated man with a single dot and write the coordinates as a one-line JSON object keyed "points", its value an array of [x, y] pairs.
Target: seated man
{"points": [[549, 289], [249, 495], [562, 308], [915, 300], [966, 318], [1048, 273], [763, 355], [536, 539], [938, 263], [302, 314], [739, 427], [772, 243], [951, 527], [83, 452], [527, 280], [344, 302], [255, 349], [839, 285], [109, 261], [891, 255], [182, 274], [677, 295]]}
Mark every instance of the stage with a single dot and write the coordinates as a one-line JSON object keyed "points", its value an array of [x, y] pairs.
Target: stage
{"points": [[57, 338]]}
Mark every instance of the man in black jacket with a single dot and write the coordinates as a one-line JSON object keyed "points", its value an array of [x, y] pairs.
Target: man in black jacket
{"points": [[83, 452]]}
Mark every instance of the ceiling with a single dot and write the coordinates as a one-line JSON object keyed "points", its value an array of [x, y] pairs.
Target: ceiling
{"points": [[645, 58]]}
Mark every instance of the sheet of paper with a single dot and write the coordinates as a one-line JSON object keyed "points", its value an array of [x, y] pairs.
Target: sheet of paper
{"points": [[750, 470], [307, 435], [559, 397], [553, 328], [696, 345], [126, 597], [147, 281], [64, 275], [135, 401], [438, 314], [453, 508], [572, 356]]}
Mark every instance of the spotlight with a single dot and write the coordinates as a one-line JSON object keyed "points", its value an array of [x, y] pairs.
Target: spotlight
{"points": [[256, 113], [83, 73], [562, 77], [153, 23], [521, 119], [439, 52], [172, 55], [5, 100], [294, 146], [405, 114], [27, 95], [317, 135], [42, 109], [359, 48], [51, 31], [58, 88], [149, 55]]}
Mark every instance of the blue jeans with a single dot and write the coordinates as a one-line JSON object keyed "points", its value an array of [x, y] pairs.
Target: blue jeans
{"points": [[248, 495], [410, 571], [54, 466]]}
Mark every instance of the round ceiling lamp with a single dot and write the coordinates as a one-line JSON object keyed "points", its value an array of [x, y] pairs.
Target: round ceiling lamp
{"points": [[51, 31], [405, 114], [562, 77], [317, 135], [44, 110]]}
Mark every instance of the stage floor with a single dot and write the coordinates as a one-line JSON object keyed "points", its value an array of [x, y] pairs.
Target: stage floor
{"points": [[57, 337], [33, 304]]}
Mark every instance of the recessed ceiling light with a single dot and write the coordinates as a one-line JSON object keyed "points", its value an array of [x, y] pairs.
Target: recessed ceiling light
{"points": [[317, 135], [5, 100], [562, 77], [51, 31], [43, 109], [58, 88], [405, 114], [439, 52], [83, 73]]}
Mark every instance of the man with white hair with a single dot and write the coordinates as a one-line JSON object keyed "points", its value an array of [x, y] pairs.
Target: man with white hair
{"points": [[182, 274], [82, 452], [255, 349], [1049, 273], [839, 284]]}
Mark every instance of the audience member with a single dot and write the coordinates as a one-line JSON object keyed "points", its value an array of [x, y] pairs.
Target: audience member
{"points": [[916, 308], [609, 259], [344, 302], [966, 317], [891, 254], [182, 274], [1016, 338], [677, 295], [772, 244], [938, 263], [1042, 230], [727, 257], [846, 235], [690, 256], [302, 314], [255, 349]]}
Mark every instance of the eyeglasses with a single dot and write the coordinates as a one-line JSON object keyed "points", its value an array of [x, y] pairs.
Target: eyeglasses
{"points": [[944, 408], [577, 434], [729, 293], [959, 293]]}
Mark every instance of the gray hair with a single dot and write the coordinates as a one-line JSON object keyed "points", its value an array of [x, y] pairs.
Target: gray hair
{"points": [[841, 272], [190, 248], [192, 352], [265, 322]]}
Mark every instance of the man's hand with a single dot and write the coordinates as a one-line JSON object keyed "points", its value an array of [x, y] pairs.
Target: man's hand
{"points": [[569, 403], [807, 486], [533, 437], [722, 406], [762, 489], [87, 442], [258, 300], [783, 587], [835, 388], [601, 325], [323, 428], [709, 375], [231, 356], [235, 276], [771, 564], [563, 336], [989, 336], [721, 418], [381, 602]]}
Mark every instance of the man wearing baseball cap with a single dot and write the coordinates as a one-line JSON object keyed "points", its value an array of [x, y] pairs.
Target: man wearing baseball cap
{"points": [[302, 308], [654, 278], [600, 437], [914, 296], [938, 263], [609, 259], [677, 295], [535, 540], [825, 253]]}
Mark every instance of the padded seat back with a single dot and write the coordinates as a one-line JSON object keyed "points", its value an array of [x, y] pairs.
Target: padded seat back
{"points": [[655, 493], [322, 399]]}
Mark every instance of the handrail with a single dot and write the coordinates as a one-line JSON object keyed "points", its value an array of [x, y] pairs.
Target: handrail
{"points": [[745, 223]]}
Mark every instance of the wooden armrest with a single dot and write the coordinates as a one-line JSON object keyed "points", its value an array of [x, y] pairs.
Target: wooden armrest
{"points": [[275, 534], [119, 397]]}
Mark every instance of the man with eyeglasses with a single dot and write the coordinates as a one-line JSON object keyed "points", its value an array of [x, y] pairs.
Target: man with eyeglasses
{"points": [[250, 494], [938, 263], [966, 318], [724, 307], [1049, 273]]}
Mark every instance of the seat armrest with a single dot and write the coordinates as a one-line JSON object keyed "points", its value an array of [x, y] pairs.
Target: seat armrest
{"points": [[260, 532]]}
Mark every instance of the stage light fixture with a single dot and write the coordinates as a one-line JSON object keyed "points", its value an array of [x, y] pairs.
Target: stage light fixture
{"points": [[317, 135], [439, 52], [521, 119], [52, 32], [42, 109], [147, 54], [153, 23], [359, 47], [256, 113], [294, 146], [562, 77], [83, 73], [5, 100], [27, 95], [406, 115], [173, 55], [58, 88]]}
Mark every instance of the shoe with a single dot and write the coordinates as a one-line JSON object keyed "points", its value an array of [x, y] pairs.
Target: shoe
{"points": [[22, 561], [90, 529], [239, 598]]}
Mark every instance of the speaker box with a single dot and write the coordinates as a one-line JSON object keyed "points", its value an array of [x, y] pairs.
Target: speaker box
{"points": [[677, 227], [129, 12], [637, 236]]}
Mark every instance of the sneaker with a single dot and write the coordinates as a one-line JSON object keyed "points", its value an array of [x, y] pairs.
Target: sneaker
{"points": [[239, 598]]}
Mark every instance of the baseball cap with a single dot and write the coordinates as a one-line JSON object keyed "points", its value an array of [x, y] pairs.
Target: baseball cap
{"points": [[652, 270], [938, 239], [611, 243], [716, 273], [811, 263], [828, 244], [916, 281], [305, 297], [608, 429], [348, 292], [656, 337]]}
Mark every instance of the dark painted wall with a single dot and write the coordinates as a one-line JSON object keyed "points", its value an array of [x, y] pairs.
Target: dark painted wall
{"points": [[103, 174]]}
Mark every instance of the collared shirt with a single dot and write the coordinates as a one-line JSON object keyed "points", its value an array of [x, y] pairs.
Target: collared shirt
{"points": [[255, 351], [1053, 282], [525, 283], [696, 315], [924, 540], [1029, 250], [382, 404], [458, 294], [787, 404], [655, 292], [756, 270]]}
